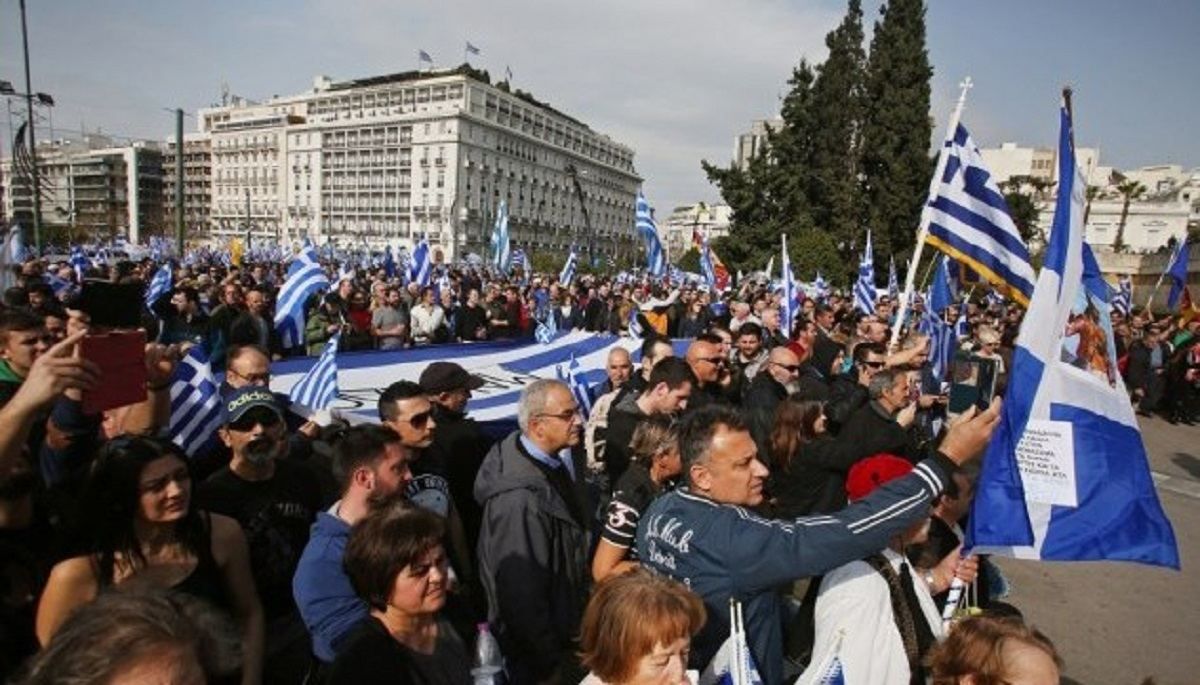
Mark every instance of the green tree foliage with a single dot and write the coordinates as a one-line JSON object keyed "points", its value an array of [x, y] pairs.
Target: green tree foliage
{"points": [[851, 153], [897, 129], [690, 260]]}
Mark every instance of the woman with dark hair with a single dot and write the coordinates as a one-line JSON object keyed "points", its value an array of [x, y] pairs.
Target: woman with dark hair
{"points": [[147, 533], [808, 465], [397, 565], [694, 320]]}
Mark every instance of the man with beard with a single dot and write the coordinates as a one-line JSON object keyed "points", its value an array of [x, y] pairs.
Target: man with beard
{"points": [[373, 468], [275, 501]]}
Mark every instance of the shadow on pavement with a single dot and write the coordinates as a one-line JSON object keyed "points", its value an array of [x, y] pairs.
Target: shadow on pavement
{"points": [[1188, 463]]}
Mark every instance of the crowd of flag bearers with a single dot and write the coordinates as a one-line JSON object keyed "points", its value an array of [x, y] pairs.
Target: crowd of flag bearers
{"points": [[765, 481]]}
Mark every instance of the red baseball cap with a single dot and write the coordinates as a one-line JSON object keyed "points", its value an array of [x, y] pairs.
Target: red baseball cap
{"points": [[874, 471]]}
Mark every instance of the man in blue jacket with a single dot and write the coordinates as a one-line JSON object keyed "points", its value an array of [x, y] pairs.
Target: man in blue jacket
{"points": [[704, 536], [372, 467]]}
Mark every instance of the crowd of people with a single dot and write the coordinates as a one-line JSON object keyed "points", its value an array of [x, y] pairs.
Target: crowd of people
{"points": [[812, 473]]}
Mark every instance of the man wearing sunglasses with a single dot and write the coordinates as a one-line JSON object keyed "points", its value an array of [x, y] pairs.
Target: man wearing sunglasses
{"points": [[276, 501], [711, 367], [769, 387]]}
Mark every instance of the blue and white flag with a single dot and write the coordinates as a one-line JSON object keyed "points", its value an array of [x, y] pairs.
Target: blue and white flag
{"points": [[864, 287], [969, 220], [832, 672], [568, 271], [1122, 299], [1065, 476], [79, 262], [317, 388], [732, 664], [389, 262], [421, 267], [1178, 272], [789, 307], [893, 282], [546, 329], [706, 265], [305, 277], [159, 286], [941, 343], [962, 327], [635, 324], [196, 411], [501, 245], [656, 257], [820, 287], [578, 388], [940, 294]]}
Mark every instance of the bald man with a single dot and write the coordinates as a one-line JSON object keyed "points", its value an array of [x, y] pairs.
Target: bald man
{"points": [[711, 367], [770, 387], [619, 368]]}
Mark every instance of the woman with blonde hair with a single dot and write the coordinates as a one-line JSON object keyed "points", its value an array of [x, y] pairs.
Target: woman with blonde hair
{"points": [[637, 630], [655, 463]]}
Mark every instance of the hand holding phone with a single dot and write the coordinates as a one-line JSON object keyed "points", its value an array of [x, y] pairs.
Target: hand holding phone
{"points": [[120, 357]]}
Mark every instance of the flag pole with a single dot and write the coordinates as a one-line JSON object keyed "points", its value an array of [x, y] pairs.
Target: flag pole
{"points": [[923, 229], [1163, 275]]}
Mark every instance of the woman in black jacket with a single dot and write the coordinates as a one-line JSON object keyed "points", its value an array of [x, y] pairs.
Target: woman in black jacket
{"points": [[808, 465]]}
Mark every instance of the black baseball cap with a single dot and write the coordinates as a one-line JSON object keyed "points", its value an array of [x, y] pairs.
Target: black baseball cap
{"points": [[447, 376]]}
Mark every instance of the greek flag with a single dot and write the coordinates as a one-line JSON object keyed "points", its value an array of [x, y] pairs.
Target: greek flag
{"points": [[733, 664], [941, 342], [160, 285], [1065, 476], [969, 220], [196, 411], [501, 247], [317, 388], [864, 287], [706, 264], [546, 329], [830, 673], [419, 269], [568, 271], [789, 308], [893, 282], [389, 262], [656, 258], [305, 277], [820, 287], [79, 263], [579, 389], [1122, 299], [962, 327], [1177, 272], [940, 295], [635, 326], [346, 272]]}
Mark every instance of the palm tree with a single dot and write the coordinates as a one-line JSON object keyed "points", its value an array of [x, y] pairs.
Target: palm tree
{"points": [[1130, 190]]}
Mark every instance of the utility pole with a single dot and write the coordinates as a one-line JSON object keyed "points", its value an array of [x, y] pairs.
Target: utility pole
{"points": [[179, 182], [248, 238], [37, 190]]}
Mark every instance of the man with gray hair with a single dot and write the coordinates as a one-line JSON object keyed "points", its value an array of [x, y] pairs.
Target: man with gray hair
{"points": [[534, 539], [881, 425]]}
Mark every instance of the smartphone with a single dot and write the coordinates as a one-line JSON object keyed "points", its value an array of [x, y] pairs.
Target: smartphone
{"points": [[112, 305], [121, 356], [972, 383]]}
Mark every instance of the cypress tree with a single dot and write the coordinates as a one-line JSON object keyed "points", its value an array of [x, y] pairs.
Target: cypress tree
{"points": [[897, 130], [837, 114]]}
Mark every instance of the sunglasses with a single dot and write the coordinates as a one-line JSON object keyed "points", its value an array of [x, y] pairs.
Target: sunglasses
{"points": [[420, 420], [255, 417], [715, 361], [873, 365], [790, 368]]}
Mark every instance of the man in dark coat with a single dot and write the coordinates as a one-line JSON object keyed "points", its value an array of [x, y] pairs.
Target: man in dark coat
{"points": [[766, 391], [882, 424]]}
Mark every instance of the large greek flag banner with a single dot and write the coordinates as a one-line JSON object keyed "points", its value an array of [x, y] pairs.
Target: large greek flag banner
{"points": [[505, 366], [1066, 476], [969, 221]]}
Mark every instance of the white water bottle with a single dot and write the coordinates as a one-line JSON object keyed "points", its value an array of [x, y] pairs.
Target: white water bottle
{"points": [[488, 664]]}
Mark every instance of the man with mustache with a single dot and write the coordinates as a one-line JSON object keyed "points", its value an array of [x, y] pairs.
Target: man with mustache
{"points": [[275, 500]]}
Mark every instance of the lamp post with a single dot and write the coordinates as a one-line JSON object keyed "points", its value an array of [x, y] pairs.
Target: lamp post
{"points": [[31, 98]]}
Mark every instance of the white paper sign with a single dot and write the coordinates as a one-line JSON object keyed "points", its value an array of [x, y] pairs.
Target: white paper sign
{"points": [[1046, 459]]}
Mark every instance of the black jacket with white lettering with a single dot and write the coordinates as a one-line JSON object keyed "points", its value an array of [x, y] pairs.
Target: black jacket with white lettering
{"points": [[722, 551]]}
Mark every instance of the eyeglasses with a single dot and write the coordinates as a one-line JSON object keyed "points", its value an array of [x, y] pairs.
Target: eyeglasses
{"points": [[790, 368], [715, 361], [263, 378], [260, 417], [873, 365], [179, 475], [568, 415]]}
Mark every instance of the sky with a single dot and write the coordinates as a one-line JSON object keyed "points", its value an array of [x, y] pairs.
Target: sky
{"points": [[676, 80]]}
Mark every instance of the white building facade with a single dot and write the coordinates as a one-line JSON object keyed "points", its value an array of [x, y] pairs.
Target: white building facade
{"points": [[710, 220], [390, 159]]}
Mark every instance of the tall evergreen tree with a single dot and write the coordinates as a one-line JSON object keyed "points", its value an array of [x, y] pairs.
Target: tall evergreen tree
{"points": [[836, 114], [897, 130]]}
